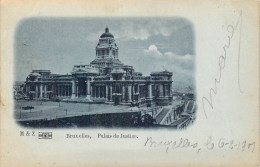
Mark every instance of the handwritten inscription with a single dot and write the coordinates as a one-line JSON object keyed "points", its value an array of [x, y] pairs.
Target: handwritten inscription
{"points": [[209, 144], [231, 29]]}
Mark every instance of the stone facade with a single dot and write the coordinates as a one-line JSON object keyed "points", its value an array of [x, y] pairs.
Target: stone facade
{"points": [[105, 79]]}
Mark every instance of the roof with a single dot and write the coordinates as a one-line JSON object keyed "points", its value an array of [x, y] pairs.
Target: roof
{"points": [[107, 34], [34, 74], [118, 71], [38, 71], [106, 60], [162, 73]]}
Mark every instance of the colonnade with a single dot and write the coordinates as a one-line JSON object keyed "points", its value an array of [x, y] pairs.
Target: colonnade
{"points": [[164, 90], [128, 92], [63, 90], [107, 91], [40, 91], [60, 90], [75, 88]]}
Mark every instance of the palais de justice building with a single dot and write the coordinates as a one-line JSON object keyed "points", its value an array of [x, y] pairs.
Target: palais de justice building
{"points": [[105, 79]]}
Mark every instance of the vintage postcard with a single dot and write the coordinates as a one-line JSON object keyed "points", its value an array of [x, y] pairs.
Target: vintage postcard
{"points": [[130, 83]]}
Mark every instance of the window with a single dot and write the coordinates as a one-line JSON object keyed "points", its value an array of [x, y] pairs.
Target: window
{"points": [[107, 51]]}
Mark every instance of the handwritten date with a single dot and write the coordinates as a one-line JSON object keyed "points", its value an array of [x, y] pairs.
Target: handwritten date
{"points": [[210, 144]]}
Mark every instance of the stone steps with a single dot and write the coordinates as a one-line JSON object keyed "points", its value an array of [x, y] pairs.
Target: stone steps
{"points": [[162, 114]]}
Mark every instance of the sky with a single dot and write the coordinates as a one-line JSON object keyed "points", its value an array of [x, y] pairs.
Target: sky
{"points": [[148, 44]]}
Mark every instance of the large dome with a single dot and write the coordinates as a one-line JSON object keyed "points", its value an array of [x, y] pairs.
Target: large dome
{"points": [[107, 34]]}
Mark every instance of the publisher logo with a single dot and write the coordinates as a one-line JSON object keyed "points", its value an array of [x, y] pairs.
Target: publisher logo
{"points": [[45, 135]]}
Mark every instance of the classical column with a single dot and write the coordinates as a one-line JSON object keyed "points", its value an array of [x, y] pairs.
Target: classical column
{"points": [[150, 90], [77, 90], [53, 89], [86, 90], [164, 90], [160, 90], [98, 91], [101, 93], [111, 88], [26, 88], [91, 89], [58, 88], [129, 93], [73, 89], [88, 87], [123, 93], [70, 90], [36, 91], [170, 87], [40, 90], [106, 92], [138, 91], [93, 93], [66, 90], [167, 90], [45, 90], [62, 90]]}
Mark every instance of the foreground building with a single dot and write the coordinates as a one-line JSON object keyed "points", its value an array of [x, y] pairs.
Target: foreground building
{"points": [[105, 79]]}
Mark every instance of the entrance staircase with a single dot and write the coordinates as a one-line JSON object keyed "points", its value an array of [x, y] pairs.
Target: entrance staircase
{"points": [[161, 115]]}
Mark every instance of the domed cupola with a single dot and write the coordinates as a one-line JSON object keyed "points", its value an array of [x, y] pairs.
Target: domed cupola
{"points": [[107, 34], [106, 47]]}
